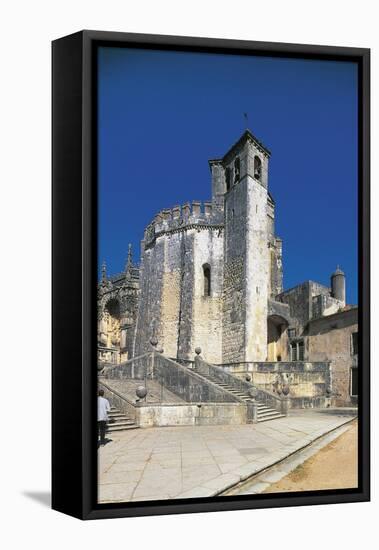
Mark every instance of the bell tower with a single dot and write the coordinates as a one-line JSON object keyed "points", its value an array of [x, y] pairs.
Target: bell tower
{"points": [[246, 253]]}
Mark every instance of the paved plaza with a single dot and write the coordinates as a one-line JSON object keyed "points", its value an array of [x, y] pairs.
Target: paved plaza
{"points": [[202, 461]]}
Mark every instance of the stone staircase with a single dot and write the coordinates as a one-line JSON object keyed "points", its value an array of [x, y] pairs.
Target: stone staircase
{"points": [[264, 413], [118, 421]]}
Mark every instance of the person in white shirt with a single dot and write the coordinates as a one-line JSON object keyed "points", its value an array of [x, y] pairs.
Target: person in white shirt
{"points": [[103, 408]]}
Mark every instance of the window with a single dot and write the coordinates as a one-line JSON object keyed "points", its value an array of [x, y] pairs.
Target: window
{"points": [[354, 343], [300, 351], [227, 178], [207, 280], [353, 381], [297, 350], [237, 170], [293, 351], [291, 333], [257, 168]]}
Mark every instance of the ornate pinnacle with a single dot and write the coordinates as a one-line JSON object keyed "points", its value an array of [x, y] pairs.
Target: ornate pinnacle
{"points": [[104, 272], [129, 262]]}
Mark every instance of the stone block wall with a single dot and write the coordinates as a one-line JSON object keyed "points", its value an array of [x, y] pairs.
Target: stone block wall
{"points": [[172, 305], [234, 285], [151, 285], [257, 272], [206, 319], [300, 305], [331, 337], [233, 332], [198, 414]]}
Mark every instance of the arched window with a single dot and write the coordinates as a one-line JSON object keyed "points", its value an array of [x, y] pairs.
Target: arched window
{"points": [[207, 280], [257, 168], [237, 170], [227, 178]]}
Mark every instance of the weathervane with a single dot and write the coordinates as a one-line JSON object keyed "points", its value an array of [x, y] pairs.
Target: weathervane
{"points": [[246, 116]]}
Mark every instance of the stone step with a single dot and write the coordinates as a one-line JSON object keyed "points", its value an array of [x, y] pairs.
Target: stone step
{"points": [[116, 416], [265, 419], [264, 413], [269, 415], [121, 428], [266, 410], [121, 422]]}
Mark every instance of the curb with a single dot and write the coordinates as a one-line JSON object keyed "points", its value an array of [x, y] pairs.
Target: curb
{"points": [[201, 491]]}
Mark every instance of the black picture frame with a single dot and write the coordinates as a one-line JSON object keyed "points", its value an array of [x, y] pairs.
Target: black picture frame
{"points": [[74, 272]]}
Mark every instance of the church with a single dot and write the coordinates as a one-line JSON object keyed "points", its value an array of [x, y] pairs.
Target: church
{"points": [[211, 277]]}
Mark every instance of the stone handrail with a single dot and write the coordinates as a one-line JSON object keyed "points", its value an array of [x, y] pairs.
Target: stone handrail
{"points": [[263, 366], [180, 380], [137, 367], [192, 387], [272, 400], [219, 374]]}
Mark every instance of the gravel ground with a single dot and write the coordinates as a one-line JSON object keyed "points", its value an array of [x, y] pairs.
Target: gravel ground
{"points": [[334, 467]]}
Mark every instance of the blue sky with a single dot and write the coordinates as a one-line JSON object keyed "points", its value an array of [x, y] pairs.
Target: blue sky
{"points": [[162, 115]]}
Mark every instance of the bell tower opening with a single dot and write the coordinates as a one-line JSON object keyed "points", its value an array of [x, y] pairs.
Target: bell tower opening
{"points": [[237, 170], [257, 168]]}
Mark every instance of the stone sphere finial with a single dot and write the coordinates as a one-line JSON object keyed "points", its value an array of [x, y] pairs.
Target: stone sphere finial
{"points": [[154, 341], [248, 378], [286, 390], [141, 392], [161, 350], [253, 392], [197, 351]]}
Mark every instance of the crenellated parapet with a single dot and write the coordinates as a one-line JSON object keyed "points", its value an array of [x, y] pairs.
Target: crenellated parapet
{"points": [[182, 217]]}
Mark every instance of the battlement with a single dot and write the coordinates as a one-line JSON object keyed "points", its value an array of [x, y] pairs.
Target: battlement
{"points": [[183, 216]]}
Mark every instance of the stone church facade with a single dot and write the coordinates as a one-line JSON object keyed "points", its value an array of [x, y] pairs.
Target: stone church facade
{"points": [[211, 276]]}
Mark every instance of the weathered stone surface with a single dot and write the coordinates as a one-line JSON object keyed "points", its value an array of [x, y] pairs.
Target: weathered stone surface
{"points": [[225, 414], [211, 276], [179, 462], [332, 337]]}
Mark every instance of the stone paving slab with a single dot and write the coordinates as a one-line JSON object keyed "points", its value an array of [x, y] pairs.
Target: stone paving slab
{"points": [[203, 461]]}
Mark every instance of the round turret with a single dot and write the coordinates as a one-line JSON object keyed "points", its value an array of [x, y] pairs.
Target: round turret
{"points": [[338, 285]]}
